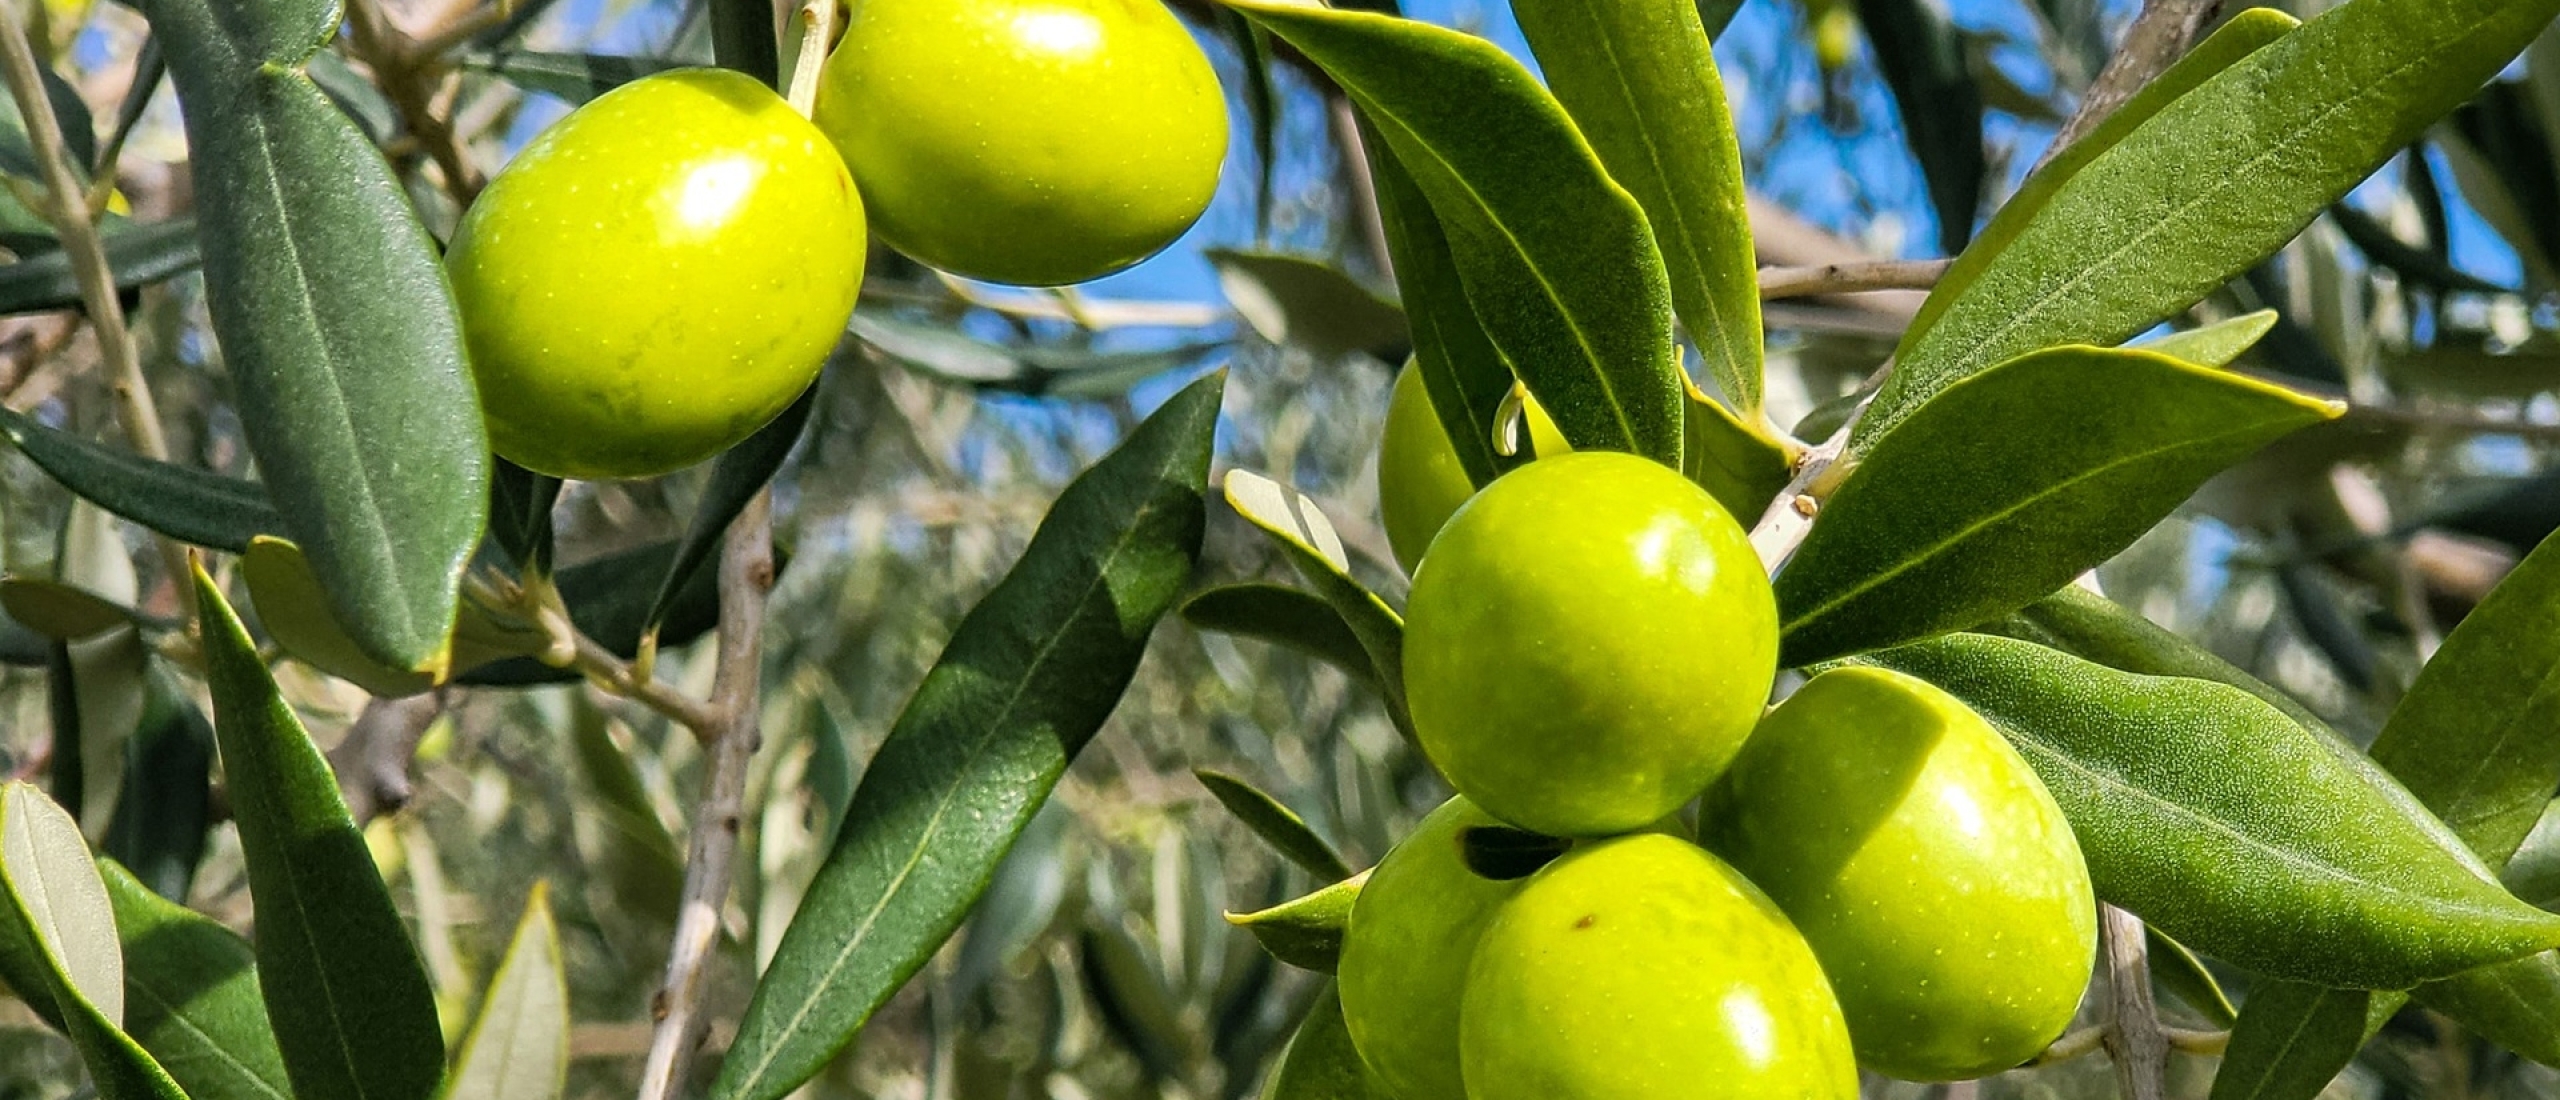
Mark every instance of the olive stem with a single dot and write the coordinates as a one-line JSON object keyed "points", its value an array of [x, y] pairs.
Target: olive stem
{"points": [[2134, 1038], [746, 580], [817, 22], [572, 649], [408, 78], [66, 205], [1779, 283]]}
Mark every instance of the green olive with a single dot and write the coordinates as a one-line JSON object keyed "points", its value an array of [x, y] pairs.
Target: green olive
{"points": [[656, 276], [1587, 644], [1038, 142], [1404, 960], [1925, 862], [1641, 968], [1420, 480]]}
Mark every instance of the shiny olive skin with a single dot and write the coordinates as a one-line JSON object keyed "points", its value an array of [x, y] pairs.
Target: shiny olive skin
{"points": [[1404, 960], [656, 276], [1925, 862], [1587, 644], [1642, 968], [1039, 142], [1420, 480]]}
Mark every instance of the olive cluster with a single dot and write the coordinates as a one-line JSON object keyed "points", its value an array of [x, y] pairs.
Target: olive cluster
{"points": [[663, 271], [1876, 877]]}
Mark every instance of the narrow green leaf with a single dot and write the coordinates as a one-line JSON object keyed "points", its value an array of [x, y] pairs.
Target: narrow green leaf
{"points": [[191, 996], [52, 900], [573, 78], [2292, 1039], [62, 612], [1027, 679], [1020, 905], [354, 1014], [742, 472], [2236, 831], [2216, 180], [2474, 737], [184, 503], [1467, 379], [1743, 469], [1557, 259], [1282, 615], [518, 1048], [1639, 78], [337, 328], [1277, 825], [2513, 1004], [1306, 932], [71, 113], [1320, 1063], [742, 38], [2216, 345], [520, 504], [1304, 302], [1922, 56], [1303, 533], [2416, 265], [2534, 872], [1717, 15], [634, 854], [1131, 991], [167, 804], [2011, 483], [138, 255], [2179, 971]]}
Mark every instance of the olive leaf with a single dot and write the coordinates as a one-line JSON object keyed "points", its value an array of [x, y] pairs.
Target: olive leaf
{"points": [[518, 1047], [1303, 533], [1557, 259], [2011, 483], [59, 930], [2219, 344], [184, 503], [2292, 1038], [1320, 1063], [1742, 468], [1304, 302], [191, 996], [1640, 81], [1277, 824], [1467, 379], [1027, 679], [2281, 857], [1306, 932], [1280, 615], [2236, 151]]}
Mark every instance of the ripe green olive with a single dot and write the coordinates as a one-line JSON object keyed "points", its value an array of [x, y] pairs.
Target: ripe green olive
{"points": [[1588, 642], [1641, 968], [656, 276], [1420, 481], [1404, 960], [1925, 862], [1038, 142]]}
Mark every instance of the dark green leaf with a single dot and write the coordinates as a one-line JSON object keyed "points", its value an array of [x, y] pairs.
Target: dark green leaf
{"points": [[1557, 259], [62, 612], [2513, 1004], [336, 324], [1307, 538], [191, 996], [1019, 906], [1282, 615], [518, 1048], [2013, 482], [1305, 932], [742, 39], [139, 255], [1717, 14], [1502, 853], [2293, 1039], [70, 112], [161, 818], [1277, 825], [1027, 679], [1465, 377], [1320, 1063], [2414, 264], [572, 77], [742, 472], [2180, 972], [2214, 816], [520, 503], [1130, 991], [354, 1014], [1304, 302], [182, 502], [1923, 59], [2210, 184], [1641, 82]]}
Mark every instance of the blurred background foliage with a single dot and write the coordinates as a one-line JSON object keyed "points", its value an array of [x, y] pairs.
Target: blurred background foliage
{"points": [[1099, 965]]}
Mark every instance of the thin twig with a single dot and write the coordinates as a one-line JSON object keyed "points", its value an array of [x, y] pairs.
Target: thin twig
{"points": [[1089, 313], [2134, 1039], [2157, 39], [746, 580], [372, 760], [66, 205], [411, 86], [1778, 283], [573, 649]]}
